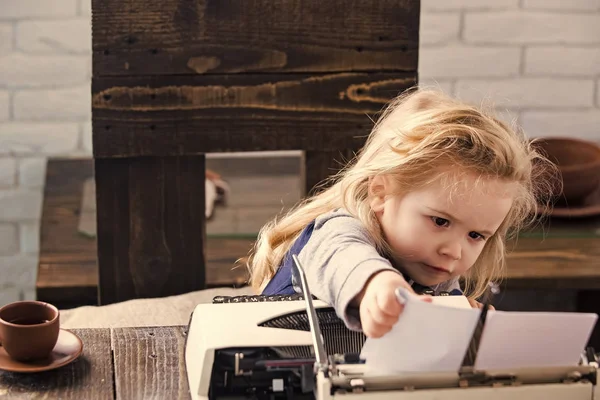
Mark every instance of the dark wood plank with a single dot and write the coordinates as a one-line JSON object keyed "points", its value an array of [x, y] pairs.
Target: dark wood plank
{"points": [[173, 37], [151, 227], [319, 166], [90, 377], [149, 363], [61, 209], [554, 263], [179, 115], [60, 242]]}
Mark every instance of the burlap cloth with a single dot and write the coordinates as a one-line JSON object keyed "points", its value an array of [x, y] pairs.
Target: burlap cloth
{"points": [[164, 311]]}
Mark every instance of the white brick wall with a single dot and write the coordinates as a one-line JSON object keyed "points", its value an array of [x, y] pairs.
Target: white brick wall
{"points": [[28, 9], [538, 61], [18, 70], [529, 92], [441, 5], [6, 38], [9, 240], [531, 27], [8, 172], [439, 29], [4, 105], [584, 5], [55, 36], [45, 70], [559, 61], [64, 104], [449, 61]]}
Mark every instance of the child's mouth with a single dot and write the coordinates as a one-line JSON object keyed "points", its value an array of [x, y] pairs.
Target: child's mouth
{"points": [[437, 270]]}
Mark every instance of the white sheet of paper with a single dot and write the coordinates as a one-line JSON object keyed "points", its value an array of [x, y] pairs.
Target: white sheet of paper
{"points": [[533, 339], [427, 337]]}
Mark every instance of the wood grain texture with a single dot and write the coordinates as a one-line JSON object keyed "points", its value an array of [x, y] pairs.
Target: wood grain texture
{"points": [[321, 165], [149, 363], [174, 37], [555, 262], [90, 377], [180, 115], [62, 248], [151, 227]]}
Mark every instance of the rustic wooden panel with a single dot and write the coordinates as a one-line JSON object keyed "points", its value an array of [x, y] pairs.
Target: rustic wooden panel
{"points": [[320, 165], [162, 116], [173, 37], [90, 377], [559, 258], [149, 363], [151, 226], [556, 256], [61, 245]]}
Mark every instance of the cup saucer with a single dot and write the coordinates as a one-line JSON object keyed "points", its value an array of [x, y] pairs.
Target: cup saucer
{"points": [[68, 348]]}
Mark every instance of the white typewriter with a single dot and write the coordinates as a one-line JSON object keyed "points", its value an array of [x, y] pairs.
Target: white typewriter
{"points": [[296, 347]]}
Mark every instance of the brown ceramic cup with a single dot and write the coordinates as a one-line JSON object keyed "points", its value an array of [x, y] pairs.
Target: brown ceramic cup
{"points": [[29, 329]]}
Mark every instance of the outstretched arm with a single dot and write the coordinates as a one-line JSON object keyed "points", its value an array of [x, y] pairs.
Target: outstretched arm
{"points": [[340, 259]]}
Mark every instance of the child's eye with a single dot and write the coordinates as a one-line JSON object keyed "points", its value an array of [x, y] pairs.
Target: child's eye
{"points": [[476, 236], [439, 221]]}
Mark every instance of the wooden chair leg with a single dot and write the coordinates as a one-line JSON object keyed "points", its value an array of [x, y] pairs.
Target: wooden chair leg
{"points": [[151, 226]]}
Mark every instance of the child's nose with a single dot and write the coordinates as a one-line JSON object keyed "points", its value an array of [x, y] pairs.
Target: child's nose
{"points": [[451, 249]]}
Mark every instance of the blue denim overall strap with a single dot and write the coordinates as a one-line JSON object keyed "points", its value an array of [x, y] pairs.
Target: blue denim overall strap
{"points": [[281, 283]]}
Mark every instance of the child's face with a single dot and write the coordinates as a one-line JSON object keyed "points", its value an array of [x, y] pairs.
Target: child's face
{"points": [[436, 236]]}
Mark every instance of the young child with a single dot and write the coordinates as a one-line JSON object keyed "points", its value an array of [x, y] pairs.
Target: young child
{"points": [[429, 200]]}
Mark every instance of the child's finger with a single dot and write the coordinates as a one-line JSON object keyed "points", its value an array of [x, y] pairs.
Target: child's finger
{"points": [[474, 303], [382, 318], [370, 326], [388, 303]]}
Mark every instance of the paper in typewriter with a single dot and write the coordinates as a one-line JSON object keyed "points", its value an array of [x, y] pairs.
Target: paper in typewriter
{"points": [[427, 337], [533, 339]]}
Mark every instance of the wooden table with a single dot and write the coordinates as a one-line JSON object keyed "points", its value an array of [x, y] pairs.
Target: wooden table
{"points": [[123, 363], [561, 254]]}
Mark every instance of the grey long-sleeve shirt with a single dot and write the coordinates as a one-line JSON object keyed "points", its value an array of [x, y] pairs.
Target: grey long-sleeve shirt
{"points": [[338, 259]]}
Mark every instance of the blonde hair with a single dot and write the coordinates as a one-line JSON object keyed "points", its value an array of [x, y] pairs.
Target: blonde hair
{"points": [[418, 133]]}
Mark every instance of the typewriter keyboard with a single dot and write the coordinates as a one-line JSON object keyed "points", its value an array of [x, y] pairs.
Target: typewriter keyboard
{"points": [[257, 298]]}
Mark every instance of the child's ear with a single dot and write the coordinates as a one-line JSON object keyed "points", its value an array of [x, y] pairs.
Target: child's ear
{"points": [[378, 186]]}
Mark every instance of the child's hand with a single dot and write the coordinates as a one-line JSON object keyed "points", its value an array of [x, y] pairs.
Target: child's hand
{"points": [[476, 304], [379, 307]]}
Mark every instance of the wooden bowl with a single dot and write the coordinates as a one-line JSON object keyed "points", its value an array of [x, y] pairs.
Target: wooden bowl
{"points": [[578, 162]]}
